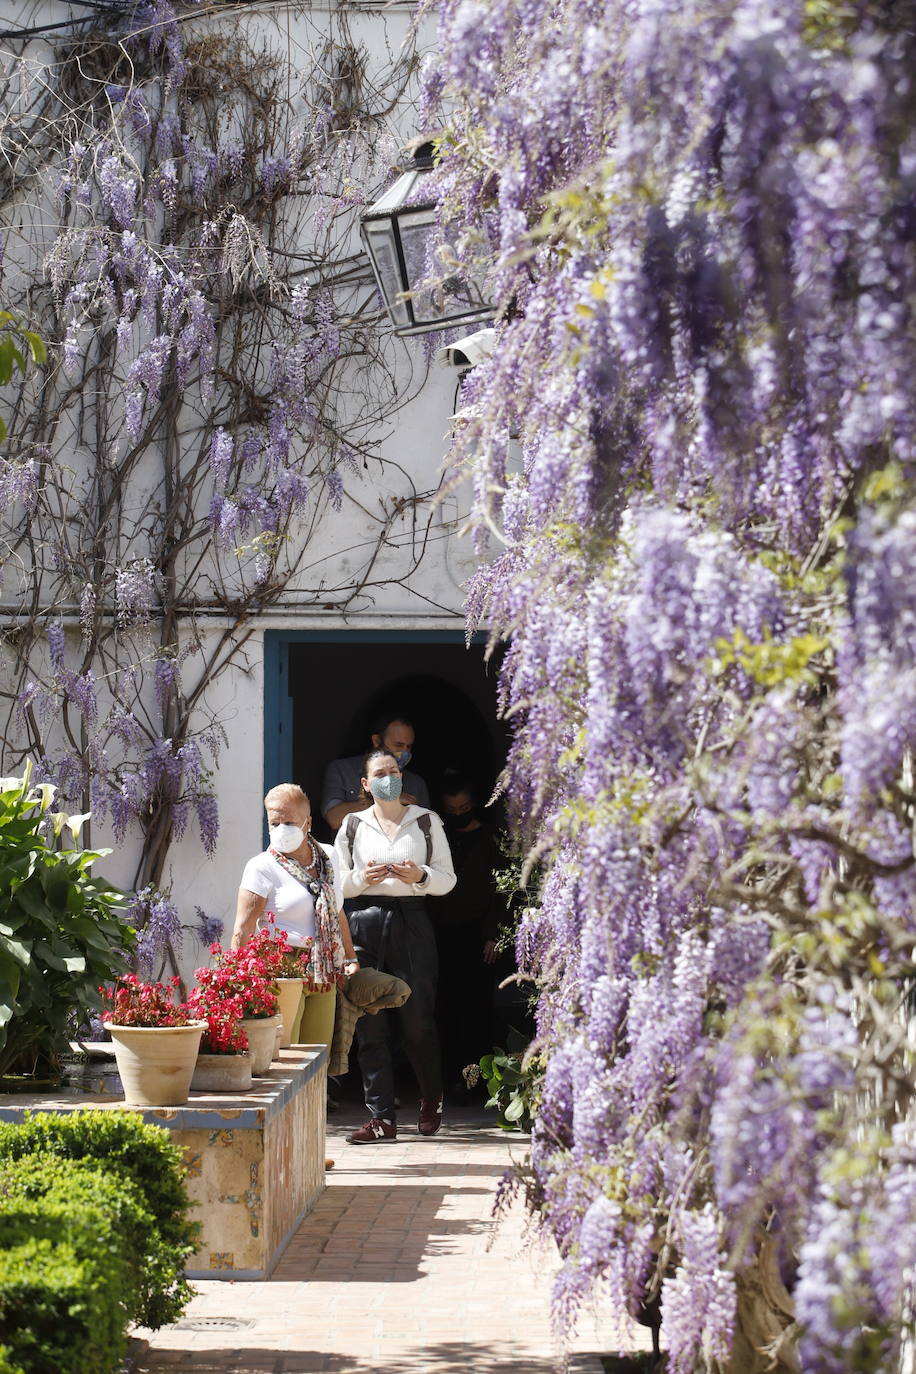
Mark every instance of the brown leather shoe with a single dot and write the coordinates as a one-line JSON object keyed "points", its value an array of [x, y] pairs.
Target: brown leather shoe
{"points": [[430, 1118], [376, 1129]]}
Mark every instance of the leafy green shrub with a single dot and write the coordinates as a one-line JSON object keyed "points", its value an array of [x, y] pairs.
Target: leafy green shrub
{"points": [[80, 1186], [60, 936], [61, 1276], [513, 1079], [146, 1157], [6, 1362]]}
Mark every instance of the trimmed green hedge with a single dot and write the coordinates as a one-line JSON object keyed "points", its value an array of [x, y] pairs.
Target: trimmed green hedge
{"points": [[76, 1188], [60, 1281], [94, 1235], [143, 1156]]}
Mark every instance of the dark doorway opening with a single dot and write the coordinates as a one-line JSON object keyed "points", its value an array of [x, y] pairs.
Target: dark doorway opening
{"points": [[338, 687]]}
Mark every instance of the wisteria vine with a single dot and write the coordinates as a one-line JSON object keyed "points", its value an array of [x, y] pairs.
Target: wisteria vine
{"points": [[694, 458], [178, 196]]}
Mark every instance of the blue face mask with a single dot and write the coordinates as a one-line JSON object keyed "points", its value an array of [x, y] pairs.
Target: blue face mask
{"points": [[404, 758], [387, 788]]}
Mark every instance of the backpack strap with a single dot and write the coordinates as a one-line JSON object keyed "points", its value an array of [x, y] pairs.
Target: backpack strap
{"points": [[426, 827], [423, 821], [350, 825]]}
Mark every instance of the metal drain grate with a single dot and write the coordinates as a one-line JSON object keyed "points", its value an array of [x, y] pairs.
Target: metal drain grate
{"points": [[214, 1323]]}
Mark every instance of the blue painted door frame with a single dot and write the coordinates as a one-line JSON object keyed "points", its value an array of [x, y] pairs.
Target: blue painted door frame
{"points": [[278, 707]]}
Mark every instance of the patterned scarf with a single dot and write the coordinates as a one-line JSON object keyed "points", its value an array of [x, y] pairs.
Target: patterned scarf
{"points": [[327, 960]]}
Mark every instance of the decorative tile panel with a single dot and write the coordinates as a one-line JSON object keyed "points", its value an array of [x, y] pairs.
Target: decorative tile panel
{"points": [[254, 1180]]}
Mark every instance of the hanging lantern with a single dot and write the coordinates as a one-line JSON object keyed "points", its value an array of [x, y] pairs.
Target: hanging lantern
{"points": [[397, 231]]}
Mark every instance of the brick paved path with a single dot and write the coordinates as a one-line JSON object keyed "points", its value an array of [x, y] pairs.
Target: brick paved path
{"points": [[398, 1270]]}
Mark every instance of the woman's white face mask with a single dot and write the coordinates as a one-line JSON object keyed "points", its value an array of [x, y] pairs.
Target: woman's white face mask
{"points": [[286, 838]]}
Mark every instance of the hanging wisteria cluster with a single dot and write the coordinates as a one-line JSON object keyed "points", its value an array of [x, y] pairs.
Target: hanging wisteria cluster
{"points": [[694, 458], [177, 202]]}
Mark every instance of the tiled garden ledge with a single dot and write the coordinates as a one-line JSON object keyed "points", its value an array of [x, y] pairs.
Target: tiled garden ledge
{"points": [[255, 1159]]}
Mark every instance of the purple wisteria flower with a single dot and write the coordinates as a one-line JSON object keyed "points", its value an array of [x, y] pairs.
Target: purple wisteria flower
{"points": [[18, 483], [693, 454], [56, 643], [208, 820], [135, 591], [119, 191], [698, 1302], [209, 929], [155, 918]]}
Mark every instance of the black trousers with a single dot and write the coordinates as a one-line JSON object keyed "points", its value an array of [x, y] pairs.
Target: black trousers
{"points": [[395, 936]]}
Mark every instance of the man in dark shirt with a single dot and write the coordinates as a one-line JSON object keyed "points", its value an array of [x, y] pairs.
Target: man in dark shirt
{"points": [[342, 791]]}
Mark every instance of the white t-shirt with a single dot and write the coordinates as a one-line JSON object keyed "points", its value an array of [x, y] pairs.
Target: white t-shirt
{"points": [[289, 900]]}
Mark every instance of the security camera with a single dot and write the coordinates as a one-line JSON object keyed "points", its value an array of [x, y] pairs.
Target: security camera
{"points": [[469, 351]]}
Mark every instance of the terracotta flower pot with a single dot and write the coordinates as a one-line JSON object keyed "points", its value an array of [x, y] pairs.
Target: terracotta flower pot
{"points": [[289, 996], [156, 1063], [262, 1033], [222, 1073]]}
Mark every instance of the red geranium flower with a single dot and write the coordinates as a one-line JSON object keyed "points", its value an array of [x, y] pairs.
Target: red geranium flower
{"points": [[149, 1005]]}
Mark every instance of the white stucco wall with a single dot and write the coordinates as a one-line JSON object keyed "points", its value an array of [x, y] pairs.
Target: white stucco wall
{"points": [[236, 700], [417, 574]]}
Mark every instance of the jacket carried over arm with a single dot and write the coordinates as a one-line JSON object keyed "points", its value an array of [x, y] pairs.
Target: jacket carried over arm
{"points": [[367, 990]]}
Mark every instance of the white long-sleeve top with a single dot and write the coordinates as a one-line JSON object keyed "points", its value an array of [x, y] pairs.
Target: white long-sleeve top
{"points": [[372, 846]]}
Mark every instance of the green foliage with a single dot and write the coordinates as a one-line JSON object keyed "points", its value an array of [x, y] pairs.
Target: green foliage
{"points": [[513, 1080], [80, 1186], [830, 23], [147, 1159], [889, 483], [770, 663], [630, 801], [7, 1365], [15, 342], [61, 1276], [60, 935]]}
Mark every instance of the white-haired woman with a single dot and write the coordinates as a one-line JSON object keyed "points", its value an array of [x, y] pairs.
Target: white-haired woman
{"points": [[296, 878]]}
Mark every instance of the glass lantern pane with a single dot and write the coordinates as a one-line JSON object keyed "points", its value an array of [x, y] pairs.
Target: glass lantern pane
{"points": [[417, 233], [398, 194], [454, 299], [379, 242]]}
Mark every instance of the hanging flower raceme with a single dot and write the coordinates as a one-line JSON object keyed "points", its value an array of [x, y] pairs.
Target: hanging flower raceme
{"points": [[692, 450]]}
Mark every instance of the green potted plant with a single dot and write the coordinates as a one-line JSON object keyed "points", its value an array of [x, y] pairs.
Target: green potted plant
{"points": [[513, 1077], [155, 1041], [61, 934]]}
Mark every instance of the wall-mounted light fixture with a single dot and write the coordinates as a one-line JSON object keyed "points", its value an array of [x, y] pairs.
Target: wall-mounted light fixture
{"points": [[397, 231]]}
